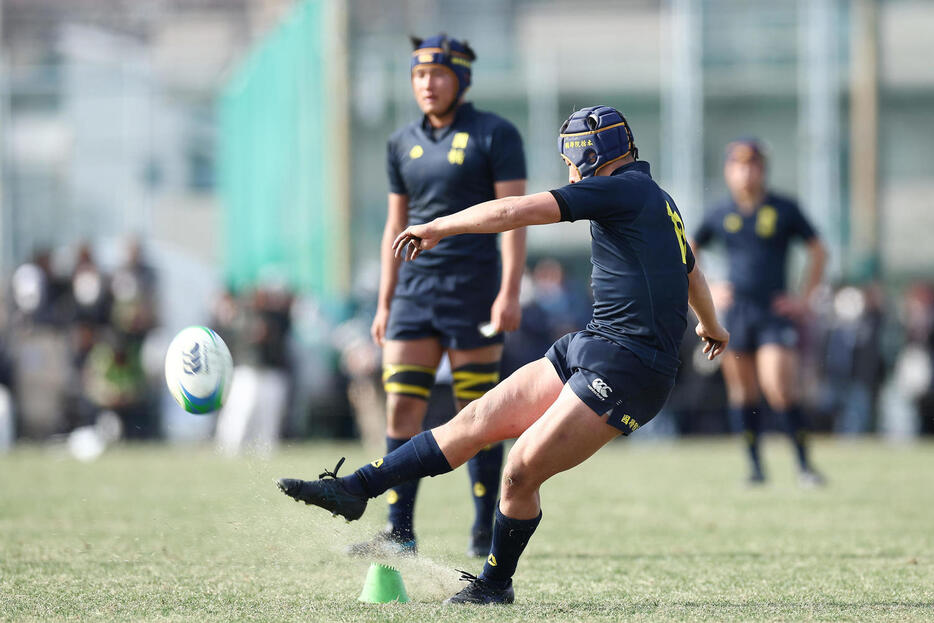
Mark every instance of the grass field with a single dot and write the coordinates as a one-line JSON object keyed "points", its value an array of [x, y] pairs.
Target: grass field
{"points": [[639, 532]]}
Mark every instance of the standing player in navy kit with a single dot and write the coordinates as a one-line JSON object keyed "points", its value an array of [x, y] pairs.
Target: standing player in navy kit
{"points": [[453, 157], [592, 385], [757, 228]]}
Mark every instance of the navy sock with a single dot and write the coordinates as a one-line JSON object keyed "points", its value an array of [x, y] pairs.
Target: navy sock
{"points": [[418, 457], [401, 499], [485, 468], [794, 420], [510, 536], [752, 431]]}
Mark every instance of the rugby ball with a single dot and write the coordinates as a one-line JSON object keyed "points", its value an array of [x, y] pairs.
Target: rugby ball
{"points": [[198, 370]]}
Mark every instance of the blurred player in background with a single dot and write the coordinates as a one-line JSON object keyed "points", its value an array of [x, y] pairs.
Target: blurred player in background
{"points": [[757, 228], [591, 386], [454, 156]]}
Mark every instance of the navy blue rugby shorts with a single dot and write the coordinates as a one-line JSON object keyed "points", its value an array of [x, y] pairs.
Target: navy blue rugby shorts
{"points": [[448, 306], [607, 376], [753, 324]]}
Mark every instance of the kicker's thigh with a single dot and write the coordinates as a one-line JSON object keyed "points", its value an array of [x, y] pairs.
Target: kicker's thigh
{"points": [[567, 434], [504, 412]]}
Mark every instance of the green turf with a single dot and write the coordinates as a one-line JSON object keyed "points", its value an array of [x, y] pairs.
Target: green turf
{"points": [[639, 532]]}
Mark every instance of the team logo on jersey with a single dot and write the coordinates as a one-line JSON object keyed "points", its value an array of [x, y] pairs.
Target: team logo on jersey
{"points": [[765, 221], [491, 559], [376, 463], [733, 222], [416, 152], [458, 145], [600, 388]]}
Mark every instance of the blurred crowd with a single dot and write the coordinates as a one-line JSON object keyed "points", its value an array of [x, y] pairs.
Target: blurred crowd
{"points": [[72, 345], [76, 351]]}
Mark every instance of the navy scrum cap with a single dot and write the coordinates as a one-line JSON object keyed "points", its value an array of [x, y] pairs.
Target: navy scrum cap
{"points": [[451, 54], [594, 137]]}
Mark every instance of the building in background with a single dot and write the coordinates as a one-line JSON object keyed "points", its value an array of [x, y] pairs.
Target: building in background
{"points": [[109, 118]]}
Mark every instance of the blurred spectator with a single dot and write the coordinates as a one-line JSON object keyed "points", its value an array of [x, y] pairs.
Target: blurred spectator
{"points": [[38, 347], [114, 380], [134, 292], [89, 305], [89, 290], [852, 359], [917, 356], [360, 361], [698, 400], [7, 415], [551, 307], [252, 417], [39, 294]]}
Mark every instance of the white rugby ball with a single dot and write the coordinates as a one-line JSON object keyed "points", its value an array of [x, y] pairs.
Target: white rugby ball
{"points": [[198, 370]]}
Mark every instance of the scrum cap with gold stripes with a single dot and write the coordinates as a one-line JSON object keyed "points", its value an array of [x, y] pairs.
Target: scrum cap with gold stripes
{"points": [[594, 137], [451, 54]]}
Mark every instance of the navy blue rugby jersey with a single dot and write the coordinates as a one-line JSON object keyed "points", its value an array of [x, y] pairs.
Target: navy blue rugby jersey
{"points": [[640, 259], [450, 169], [756, 243]]}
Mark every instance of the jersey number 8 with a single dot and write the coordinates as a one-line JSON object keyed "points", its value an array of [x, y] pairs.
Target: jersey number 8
{"points": [[679, 232]]}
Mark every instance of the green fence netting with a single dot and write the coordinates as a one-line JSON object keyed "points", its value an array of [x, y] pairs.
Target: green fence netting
{"points": [[278, 210]]}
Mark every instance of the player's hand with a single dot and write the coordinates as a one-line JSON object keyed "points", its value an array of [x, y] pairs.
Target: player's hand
{"points": [[715, 339], [790, 306], [413, 240], [378, 328], [506, 313]]}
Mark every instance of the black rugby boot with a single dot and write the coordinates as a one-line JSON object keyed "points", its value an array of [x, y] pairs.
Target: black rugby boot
{"points": [[327, 492], [481, 592]]}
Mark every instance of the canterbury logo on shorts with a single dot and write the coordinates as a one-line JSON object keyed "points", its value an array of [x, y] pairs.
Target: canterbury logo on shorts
{"points": [[600, 388]]}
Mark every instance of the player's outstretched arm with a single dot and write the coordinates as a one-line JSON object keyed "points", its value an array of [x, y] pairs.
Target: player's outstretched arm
{"points": [[490, 217], [709, 328]]}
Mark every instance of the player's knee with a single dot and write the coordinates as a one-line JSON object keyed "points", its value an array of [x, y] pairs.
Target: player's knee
{"points": [[404, 416], [473, 422], [519, 479], [780, 401]]}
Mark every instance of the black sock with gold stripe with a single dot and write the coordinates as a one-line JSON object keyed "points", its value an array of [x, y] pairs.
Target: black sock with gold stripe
{"points": [[418, 457], [510, 536], [485, 468], [401, 499], [794, 420]]}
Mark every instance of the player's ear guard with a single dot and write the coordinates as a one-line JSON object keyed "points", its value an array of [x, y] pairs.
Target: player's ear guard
{"points": [[472, 380], [594, 137], [408, 380]]}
